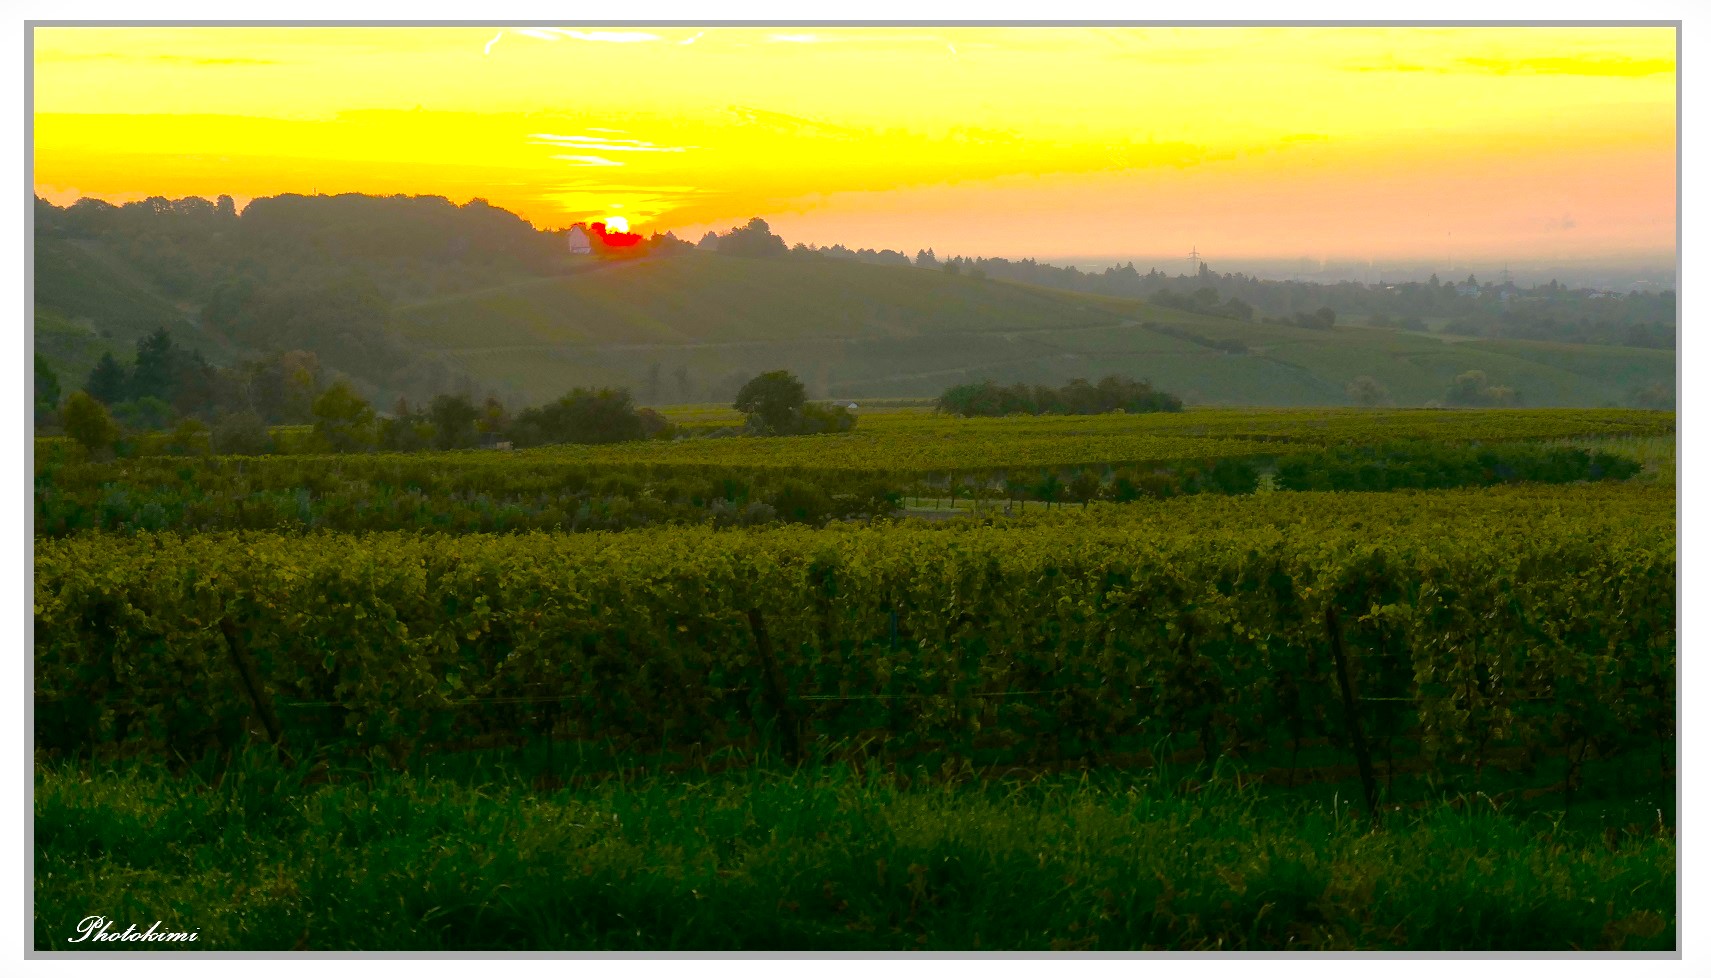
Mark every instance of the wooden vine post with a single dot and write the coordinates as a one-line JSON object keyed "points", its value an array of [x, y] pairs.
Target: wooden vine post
{"points": [[773, 691], [252, 686], [1351, 711]]}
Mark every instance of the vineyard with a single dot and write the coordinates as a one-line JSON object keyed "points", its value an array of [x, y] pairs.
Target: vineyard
{"points": [[1047, 636], [1401, 604]]}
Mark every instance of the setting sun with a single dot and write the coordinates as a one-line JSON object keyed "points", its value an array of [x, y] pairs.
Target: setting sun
{"points": [[618, 224]]}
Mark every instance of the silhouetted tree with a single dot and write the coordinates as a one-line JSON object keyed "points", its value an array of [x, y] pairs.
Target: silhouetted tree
{"points": [[753, 240]]}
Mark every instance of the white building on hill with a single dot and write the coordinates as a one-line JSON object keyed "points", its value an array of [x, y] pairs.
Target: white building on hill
{"points": [[580, 244]]}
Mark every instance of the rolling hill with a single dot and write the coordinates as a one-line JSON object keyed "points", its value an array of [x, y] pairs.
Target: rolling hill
{"points": [[417, 296], [857, 330]]}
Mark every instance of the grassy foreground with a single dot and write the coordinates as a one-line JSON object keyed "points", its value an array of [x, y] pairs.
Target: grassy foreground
{"points": [[259, 860]]}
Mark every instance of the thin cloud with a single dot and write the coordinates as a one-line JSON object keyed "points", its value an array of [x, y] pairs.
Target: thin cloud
{"points": [[793, 38], [542, 35], [693, 39], [1390, 66], [783, 123], [1589, 65], [588, 161], [488, 49], [602, 144], [1609, 67], [171, 59], [610, 37]]}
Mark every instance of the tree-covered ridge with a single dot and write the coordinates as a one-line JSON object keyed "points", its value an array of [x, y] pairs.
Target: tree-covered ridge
{"points": [[315, 275]]}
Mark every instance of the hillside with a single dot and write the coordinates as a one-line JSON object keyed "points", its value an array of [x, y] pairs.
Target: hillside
{"points": [[415, 296], [859, 330]]}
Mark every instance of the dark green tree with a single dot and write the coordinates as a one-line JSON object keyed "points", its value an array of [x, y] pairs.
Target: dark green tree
{"points": [[87, 421], [1049, 488], [773, 402], [47, 391], [144, 414], [109, 382], [240, 433], [189, 437], [454, 417], [599, 417], [494, 417], [1085, 487], [343, 420], [156, 370]]}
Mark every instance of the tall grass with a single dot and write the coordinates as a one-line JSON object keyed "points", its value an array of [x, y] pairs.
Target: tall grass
{"points": [[258, 859]]}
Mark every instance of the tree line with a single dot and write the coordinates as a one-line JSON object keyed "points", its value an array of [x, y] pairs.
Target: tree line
{"points": [[230, 408], [991, 400]]}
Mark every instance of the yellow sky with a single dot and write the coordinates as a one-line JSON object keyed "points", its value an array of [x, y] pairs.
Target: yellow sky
{"points": [[1248, 142]]}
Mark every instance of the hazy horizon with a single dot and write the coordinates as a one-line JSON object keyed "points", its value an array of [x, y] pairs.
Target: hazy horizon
{"points": [[1620, 272]]}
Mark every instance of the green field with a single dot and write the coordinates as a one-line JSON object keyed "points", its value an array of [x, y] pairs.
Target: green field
{"points": [[439, 701]]}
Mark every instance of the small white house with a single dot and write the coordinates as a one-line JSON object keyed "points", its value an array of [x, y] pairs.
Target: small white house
{"points": [[580, 243]]}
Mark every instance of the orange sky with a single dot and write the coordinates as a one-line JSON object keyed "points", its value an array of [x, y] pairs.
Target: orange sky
{"points": [[1453, 143]]}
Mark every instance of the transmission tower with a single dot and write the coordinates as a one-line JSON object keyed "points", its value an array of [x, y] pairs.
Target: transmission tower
{"points": [[1194, 260]]}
